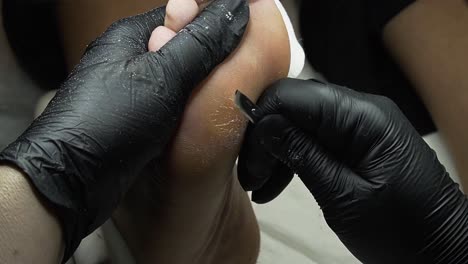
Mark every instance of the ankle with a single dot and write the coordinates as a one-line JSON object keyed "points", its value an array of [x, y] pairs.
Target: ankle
{"points": [[237, 239], [190, 231]]}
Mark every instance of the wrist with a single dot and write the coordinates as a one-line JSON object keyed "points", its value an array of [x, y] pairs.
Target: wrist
{"points": [[41, 163], [47, 163], [26, 220]]}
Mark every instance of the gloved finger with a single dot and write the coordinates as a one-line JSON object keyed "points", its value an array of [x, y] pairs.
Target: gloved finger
{"points": [[344, 121], [213, 35], [260, 172], [124, 39], [198, 48], [325, 177], [274, 186], [252, 175]]}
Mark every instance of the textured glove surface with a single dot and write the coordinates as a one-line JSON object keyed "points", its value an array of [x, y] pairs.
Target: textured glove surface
{"points": [[380, 186]]}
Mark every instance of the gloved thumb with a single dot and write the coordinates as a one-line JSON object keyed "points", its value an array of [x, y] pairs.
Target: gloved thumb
{"points": [[203, 44], [189, 57], [324, 176]]}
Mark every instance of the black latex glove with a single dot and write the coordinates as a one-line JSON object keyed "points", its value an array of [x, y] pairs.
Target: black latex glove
{"points": [[380, 186], [117, 112]]}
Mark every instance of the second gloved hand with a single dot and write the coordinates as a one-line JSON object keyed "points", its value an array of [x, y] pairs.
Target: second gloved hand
{"points": [[381, 188], [117, 112]]}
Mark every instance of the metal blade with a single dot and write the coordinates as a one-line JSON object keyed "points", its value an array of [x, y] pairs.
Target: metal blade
{"points": [[247, 107]]}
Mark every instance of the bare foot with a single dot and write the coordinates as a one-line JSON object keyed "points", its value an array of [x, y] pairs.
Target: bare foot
{"points": [[204, 214], [194, 211]]}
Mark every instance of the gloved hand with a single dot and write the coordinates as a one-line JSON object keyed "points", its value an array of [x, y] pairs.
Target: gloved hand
{"points": [[117, 111], [380, 186]]}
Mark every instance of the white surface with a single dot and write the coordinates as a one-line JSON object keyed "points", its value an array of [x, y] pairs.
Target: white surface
{"points": [[436, 142], [297, 58]]}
